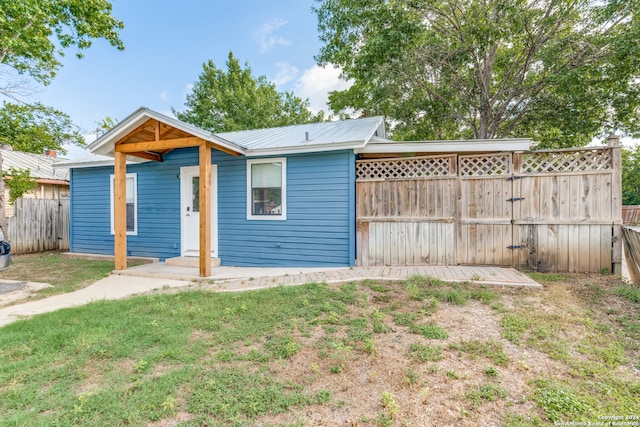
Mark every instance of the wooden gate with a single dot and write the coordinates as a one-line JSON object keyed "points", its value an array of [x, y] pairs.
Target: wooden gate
{"points": [[556, 210], [485, 229]]}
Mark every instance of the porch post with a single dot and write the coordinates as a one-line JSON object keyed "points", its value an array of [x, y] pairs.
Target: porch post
{"points": [[205, 210], [120, 210]]}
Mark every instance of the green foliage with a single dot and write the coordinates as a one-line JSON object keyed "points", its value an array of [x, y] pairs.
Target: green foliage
{"points": [[107, 123], [35, 128], [631, 294], [430, 330], [388, 401], [513, 327], [231, 100], [559, 401], [425, 353], [490, 349], [561, 72], [19, 184], [631, 176], [486, 392], [34, 34]]}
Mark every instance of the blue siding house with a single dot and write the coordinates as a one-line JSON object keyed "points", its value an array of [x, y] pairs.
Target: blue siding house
{"points": [[279, 197]]}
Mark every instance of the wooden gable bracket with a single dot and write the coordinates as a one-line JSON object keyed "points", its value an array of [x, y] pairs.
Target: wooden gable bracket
{"points": [[149, 155]]}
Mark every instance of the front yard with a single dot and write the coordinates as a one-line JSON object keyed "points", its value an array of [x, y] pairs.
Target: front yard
{"points": [[65, 274], [413, 353]]}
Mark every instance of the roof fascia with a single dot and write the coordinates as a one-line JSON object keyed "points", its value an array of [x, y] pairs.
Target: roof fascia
{"points": [[468, 146], [105, 144]]}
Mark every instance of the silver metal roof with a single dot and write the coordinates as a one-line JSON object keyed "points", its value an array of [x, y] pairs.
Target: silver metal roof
{"points": [[356, 131], [41, 166], [95, 160]]}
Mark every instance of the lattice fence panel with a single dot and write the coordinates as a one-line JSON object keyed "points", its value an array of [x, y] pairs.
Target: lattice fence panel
{"points": [[567, 161], [413, 168], [493, 165]]}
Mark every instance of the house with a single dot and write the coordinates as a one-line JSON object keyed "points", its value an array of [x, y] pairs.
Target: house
{"points": [[158, 187], [279, 197], [341, 194], [53, 183]]}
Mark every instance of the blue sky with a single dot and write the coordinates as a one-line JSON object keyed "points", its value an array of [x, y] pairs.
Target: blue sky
{"points": [[166, 43]]}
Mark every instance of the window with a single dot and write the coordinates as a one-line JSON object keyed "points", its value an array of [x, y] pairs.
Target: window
{"points": [[132, 204], [266, 189]]}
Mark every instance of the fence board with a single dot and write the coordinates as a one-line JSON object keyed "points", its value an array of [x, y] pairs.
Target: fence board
{"points": [[564, 215], [631, 214], [39, 225], [632, 253]]}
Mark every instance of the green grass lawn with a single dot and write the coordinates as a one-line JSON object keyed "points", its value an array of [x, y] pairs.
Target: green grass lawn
{"points": [[65, 274], [419, 352]]}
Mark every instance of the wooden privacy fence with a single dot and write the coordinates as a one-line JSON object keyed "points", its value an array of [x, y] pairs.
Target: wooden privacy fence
{"points": [[556, 210], [632, 253], [631, 214], [39, 225]]}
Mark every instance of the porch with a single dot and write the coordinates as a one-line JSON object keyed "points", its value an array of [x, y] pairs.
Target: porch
{"points": [[249, 278]]}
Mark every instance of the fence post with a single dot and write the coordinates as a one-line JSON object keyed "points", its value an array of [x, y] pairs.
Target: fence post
{"points": [[616, 206]]}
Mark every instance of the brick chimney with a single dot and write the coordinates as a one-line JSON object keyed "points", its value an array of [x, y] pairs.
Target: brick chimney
{"points": [[50, 153]]}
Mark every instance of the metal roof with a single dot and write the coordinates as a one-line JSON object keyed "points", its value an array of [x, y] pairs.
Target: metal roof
{"points": [[323, 135], [41, 166], [95, 160]]}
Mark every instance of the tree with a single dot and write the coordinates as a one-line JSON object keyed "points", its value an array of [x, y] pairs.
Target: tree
{"points": [[34, 35], [631, 176], [36, 128], [19, 184], [223, 101], [561, 71]]}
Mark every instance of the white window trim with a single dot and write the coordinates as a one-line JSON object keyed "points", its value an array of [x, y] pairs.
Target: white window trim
{"points": [[135, 203], [283, 215]]}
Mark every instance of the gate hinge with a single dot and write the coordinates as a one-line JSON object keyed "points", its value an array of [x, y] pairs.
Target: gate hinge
{"points": [[516, 246], [513, 178], [515, 199]]}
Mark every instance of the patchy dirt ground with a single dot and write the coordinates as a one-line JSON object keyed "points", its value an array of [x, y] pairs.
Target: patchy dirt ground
{"points": [[414, 353], [476, 377]]}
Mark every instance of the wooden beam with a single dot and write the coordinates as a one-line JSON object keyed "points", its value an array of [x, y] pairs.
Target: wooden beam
{"points": [[165, 144], [133, 132], [223, 149], [205, 210], [156, 157], [120, 210], [157, 138]]}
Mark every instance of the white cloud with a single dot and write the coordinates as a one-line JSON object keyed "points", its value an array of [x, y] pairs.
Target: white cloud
{"points": [[285, 74], [266, 39], [316, 83], [164, 94]]}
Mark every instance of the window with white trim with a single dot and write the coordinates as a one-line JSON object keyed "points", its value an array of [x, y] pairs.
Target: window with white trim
{"points": [[267, 189], [132, 204]]}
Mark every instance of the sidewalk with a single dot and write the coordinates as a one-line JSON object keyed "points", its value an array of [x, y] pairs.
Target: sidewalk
{"points": [[158, 276]]}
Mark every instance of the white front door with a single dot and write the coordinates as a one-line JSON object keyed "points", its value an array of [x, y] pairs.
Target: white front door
{"points": [[190, 210]]}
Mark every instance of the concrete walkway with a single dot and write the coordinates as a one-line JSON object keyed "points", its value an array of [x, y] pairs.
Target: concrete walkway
{"points": [[158, 276]]}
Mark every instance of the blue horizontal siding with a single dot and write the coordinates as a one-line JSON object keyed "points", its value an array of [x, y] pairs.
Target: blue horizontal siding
{"points": [[319, 230]]}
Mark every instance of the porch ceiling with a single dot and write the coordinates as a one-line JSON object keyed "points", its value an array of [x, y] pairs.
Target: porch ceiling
{"points": [[154, 138]]}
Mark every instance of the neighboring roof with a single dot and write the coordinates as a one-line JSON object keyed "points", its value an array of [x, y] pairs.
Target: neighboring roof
{"points": [[94, 160], [323, 136], [41, 166], [105, 144], [381, 145]]}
